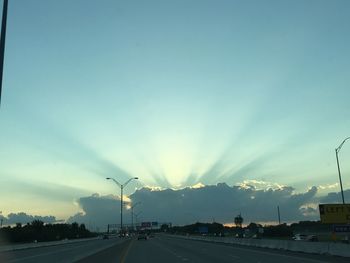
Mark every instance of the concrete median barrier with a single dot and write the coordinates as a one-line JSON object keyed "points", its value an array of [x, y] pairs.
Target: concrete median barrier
{"points": [[335, 249]]}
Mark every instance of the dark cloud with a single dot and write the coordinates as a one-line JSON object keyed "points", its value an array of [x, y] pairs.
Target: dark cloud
{"points": [[99, 211], [24, 218], [335, 197], [215, 202], [222, 203], [212, 202]]}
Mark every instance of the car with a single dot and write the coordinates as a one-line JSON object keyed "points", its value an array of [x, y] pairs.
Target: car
{"points": [[303, 237], [142, 235], [312, 238], [299, 237], [105, 237]]}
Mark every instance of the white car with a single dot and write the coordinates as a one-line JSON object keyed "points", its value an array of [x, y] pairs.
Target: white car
{"points": [[300, 237]]}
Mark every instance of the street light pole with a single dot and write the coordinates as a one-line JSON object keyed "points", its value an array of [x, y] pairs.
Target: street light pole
{"points": [[121, 197], [2, 42], [132, 214], [336, 154], [121, 208]]}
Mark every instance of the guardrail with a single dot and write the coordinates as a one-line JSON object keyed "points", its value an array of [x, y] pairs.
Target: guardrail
{"points": [[334, 249]]}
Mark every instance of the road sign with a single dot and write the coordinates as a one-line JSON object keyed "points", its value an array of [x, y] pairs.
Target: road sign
{"points": [[335, 213], [341, 228], [203, 229], [146, 224]]}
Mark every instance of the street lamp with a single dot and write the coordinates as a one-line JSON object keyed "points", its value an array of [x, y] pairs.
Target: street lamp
{"points": [[132, 214], [121, 196], [2, 42], [336, 154]]}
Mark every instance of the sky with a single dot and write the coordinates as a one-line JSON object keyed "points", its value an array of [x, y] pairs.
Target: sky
{"points": [[178, 93]]}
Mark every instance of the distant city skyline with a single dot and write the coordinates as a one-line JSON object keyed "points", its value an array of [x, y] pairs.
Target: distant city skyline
{"points": [[177, 93]]}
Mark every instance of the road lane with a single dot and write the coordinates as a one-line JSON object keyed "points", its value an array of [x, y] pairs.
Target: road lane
{"points": [[173, 250], [162, 248], [152, 250], [70, 252], [113, 254]]}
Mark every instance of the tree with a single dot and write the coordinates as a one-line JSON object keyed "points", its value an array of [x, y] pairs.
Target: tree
{"points": [[254, 226], [38, 225], [164, 228], [239, 221]]}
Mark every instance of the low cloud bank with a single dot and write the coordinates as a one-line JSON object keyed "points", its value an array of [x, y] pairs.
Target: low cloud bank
{"points": [[99, 211], [23, 218], [219, 203], [222, 203]]}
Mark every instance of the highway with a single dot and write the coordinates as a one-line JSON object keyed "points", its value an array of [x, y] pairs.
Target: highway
{"points": [[161, 248], [174, 250], [70, 252]]}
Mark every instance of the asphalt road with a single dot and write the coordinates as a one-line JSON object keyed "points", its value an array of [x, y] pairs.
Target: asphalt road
{"points": [[71, 252], [161, 248], [174, 250]]}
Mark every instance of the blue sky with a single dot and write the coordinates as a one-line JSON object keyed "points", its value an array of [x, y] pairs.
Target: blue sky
{"points": [[174, 92]]}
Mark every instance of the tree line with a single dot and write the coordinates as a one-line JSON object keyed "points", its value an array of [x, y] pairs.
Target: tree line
{"points": [[38, 231], [281, 230]]}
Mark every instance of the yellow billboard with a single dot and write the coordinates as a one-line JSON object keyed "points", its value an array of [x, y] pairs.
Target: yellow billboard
{"points": [[335, 213]]}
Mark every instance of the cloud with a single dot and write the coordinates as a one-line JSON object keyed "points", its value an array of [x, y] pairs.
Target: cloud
{"points": [[257, 201], [335, 197], [259, 185], [98, 211], [328, 186], [24, 218], [222, 203]]}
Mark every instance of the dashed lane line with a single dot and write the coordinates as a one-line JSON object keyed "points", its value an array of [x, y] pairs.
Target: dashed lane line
{"points": [[126, 251]]}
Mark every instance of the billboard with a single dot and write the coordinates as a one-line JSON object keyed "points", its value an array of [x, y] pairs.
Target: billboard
{"points": [[335, 213]]}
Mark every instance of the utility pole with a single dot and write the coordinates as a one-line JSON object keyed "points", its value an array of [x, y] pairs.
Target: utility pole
{"points": [[336, 154], [2, 43], [1, 220], [279, 216], [121, 209]]}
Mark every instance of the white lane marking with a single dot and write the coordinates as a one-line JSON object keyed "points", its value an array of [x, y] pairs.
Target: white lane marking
{"points": [[280, 255], [172, 252]]}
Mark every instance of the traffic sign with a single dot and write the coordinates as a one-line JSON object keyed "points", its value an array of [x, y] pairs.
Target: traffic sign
{"points": [[341, 228], [146, 224], [335, 213]]}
